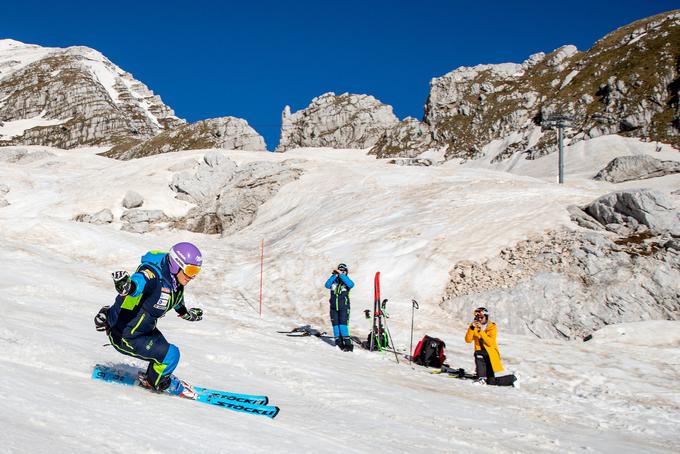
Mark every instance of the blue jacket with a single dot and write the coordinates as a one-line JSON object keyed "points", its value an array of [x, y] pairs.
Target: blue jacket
{"points": [[339, 285], [153, 293]]}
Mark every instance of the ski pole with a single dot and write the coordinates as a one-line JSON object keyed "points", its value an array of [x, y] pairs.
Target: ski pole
{"points": [[414, 306], [389, 336]]}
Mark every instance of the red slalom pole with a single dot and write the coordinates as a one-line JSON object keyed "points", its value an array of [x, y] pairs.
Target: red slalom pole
{"points": [[261, 274]]}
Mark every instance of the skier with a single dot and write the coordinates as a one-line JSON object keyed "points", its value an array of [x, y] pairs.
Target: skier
{"points": [[156, 287], [340, 284], [487, 357]]}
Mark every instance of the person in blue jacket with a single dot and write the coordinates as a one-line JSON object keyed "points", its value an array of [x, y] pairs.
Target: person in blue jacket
{"points": [[156, 287], [340, 285]]}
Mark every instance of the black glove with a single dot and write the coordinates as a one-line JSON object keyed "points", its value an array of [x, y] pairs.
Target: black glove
{"points": [[193, 315], [122, 282], [100, 320]]}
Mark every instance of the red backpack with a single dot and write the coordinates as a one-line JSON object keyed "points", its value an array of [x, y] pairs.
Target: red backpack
{"points": [[430, 352]]}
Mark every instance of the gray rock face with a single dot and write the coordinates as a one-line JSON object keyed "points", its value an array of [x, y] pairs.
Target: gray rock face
{"points": [[345, 121], [567, 284], [100, 217], [142, 221], [625, 84], [132, 199], [73, 96], [227, 133], [227, 195], [574, 282], [634, 207], [407, 139], [627, 168], [206, 180], [583, 219]]}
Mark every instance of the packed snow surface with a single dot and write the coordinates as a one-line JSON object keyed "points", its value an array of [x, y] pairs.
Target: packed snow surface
{"points": [[11, 129], [615, 393]]}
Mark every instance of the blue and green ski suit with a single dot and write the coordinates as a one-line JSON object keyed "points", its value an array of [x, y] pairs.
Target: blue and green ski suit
{"points": [[132, 319], [340, 285]]}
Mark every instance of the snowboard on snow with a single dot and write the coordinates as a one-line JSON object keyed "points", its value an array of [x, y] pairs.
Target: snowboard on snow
{"points": [[243, 403]]}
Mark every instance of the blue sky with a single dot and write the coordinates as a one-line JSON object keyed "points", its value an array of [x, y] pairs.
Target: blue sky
{"points": [[249, 59]]}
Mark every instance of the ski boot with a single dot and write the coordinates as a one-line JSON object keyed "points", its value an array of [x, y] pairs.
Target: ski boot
{"points": [[168, 384], [347, 345]]}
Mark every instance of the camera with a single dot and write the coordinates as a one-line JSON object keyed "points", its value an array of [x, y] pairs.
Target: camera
{"points": [[335, 272]]}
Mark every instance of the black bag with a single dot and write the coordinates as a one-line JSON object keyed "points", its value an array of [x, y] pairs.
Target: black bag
{"points": [[430, 352]]}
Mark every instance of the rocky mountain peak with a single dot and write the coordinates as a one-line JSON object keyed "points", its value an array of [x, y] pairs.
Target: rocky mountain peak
{"points": [[72, 97], [227, 133], [344, 121], [628, 83]]}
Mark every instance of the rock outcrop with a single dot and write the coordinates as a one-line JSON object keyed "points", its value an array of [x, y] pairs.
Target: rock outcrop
{"points": [[407, 139], [228, 196], [345, 121], [628, 168], [227, 133], [142, 221], [104, 216], [133, 199], [568, 283], [72, 97], [637, 207], [628, 83]]}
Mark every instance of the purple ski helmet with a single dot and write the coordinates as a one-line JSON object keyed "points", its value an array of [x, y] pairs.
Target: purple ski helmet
{"points": [[185, 257]]}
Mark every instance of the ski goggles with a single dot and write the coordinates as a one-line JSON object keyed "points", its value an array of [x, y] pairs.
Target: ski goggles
{"points": [[191, 270]]}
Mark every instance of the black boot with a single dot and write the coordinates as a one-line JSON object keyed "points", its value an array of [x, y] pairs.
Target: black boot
{"points": [[346, 344], [162, 384]]}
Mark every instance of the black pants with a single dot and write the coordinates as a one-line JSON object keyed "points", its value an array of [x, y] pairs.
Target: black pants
{"points": [[484, 370]]}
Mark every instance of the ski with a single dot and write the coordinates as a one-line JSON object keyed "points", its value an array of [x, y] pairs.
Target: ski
{"points": [[454, 373], [303, 331], [375, 331], [233, 397], [244, 403]]}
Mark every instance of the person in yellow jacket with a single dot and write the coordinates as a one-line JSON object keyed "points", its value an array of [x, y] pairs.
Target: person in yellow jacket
{"points": [[487, 357]]}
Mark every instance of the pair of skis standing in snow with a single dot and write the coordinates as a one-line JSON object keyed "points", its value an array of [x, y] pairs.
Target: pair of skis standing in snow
{"points": [[482, 332]]}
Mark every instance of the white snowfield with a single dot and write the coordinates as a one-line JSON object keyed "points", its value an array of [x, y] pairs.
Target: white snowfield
{"points": [[11, 129], [617, 393]]}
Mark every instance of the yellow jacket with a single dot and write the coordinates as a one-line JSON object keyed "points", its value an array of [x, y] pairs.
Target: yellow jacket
{"points": [[486, 338]]}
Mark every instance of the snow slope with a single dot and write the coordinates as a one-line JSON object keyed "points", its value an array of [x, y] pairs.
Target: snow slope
{"points": [[412, 224]]}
